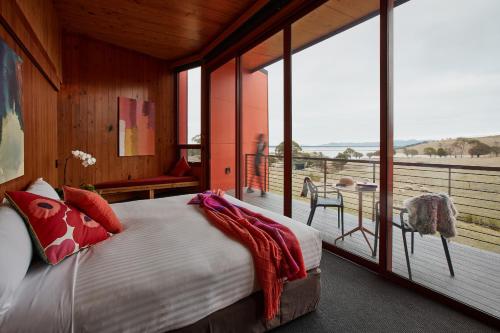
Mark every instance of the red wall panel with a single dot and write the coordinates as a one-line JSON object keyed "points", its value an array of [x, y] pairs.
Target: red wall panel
{"points": [[223, 126], [223, 122], [255, 121]]}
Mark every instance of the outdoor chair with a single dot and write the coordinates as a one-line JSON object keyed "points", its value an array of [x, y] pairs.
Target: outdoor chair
{"points": [[318, 201], [406, 228]]}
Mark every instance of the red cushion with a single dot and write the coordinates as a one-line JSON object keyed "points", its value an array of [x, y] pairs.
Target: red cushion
{"points": [[166, 179], [181, 168], [94, 206], [57, 230]]}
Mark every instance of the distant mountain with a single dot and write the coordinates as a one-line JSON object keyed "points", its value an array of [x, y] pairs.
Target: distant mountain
{"points": [[397, 144], [491, 140]]}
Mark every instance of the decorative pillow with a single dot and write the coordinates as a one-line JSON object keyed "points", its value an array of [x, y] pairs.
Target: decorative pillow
{"points": [[181, 168], [57, 230], [41, 187], [94, 206], [16, 252]]}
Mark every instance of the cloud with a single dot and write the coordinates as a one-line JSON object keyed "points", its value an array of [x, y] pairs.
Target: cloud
{"points": [[446, 74]]}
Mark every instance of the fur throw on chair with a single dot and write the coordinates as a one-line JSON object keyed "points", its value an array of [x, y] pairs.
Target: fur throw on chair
{"points": [[432, 212]]}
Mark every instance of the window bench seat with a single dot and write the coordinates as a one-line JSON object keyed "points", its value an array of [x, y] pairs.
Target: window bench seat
{"points": [[146, 184]]}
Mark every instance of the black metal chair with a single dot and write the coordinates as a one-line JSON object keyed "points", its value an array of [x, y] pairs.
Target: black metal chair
{"points": [[318, 201], [405, 228]]}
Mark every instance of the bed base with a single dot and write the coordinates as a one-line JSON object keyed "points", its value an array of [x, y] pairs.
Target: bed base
{"points": [[298, 298]]}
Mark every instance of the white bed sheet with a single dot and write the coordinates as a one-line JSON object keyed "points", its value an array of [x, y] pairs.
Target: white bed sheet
{"points": [[168, 269]]}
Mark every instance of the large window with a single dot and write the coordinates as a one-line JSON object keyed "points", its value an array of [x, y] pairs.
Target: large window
{"points": [[335, 95], [189, 113], [352, 74], [447, 137]]}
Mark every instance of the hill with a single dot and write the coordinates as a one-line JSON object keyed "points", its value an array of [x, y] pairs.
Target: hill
{"points": [[446, 143], [397, 143]]}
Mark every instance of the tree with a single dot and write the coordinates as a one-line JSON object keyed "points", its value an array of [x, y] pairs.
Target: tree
{"points": [[479, 149], [349, 152], [357, 155], [342, 156], [371, 154], [296, 149], [460, 144], [441, 152], [406, 151], [495, 149], [430, 151], [196, 139], [413, 152]]}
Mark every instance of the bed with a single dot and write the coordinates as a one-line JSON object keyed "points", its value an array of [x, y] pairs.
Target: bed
{"points": [[169, 270]]}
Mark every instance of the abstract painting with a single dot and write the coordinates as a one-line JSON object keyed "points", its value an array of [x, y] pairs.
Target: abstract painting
{"points": [[11, 115], [136, 120]]}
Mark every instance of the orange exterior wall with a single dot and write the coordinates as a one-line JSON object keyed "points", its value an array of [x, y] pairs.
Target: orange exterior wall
{"points": [[222, 126], [223, 122], [255, 120]]}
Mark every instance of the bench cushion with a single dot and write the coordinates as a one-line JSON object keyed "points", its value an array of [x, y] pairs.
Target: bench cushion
{"points": [[165, 179]]}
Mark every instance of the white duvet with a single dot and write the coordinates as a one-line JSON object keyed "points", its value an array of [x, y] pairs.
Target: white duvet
{"points": [[169, 268]]}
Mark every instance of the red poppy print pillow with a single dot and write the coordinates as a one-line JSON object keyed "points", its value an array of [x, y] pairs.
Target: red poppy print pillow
{"points": [[57, 229]]}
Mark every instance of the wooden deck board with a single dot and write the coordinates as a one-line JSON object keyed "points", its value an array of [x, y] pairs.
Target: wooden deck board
{"points": [[477, 272]]}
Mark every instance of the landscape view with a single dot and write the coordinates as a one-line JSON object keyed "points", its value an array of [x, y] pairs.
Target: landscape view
{"points": [[446, 114]]}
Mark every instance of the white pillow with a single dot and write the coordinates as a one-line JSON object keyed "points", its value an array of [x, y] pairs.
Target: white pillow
{"points": [[41, 187], [16, 251]]}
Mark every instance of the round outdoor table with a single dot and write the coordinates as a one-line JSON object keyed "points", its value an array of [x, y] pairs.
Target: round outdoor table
{"points": [[360, 190]]}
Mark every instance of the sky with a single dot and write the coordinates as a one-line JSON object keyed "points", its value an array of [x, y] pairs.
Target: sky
{"points": [[194, 103], [446, 78]]}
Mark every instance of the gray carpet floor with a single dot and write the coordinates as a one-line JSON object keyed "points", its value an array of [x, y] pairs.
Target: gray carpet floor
{"points": [[354, 299]]}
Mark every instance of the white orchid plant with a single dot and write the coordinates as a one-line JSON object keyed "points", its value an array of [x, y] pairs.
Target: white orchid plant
{"points": [[85, 158]]}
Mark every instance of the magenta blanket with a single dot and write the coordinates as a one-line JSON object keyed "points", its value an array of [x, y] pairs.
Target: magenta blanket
{"points": [[292, 266]]}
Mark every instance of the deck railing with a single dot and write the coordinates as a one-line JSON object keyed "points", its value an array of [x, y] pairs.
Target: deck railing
{"points": [[474, 189]]}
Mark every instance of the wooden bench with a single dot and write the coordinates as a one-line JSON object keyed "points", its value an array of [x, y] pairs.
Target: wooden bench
{"points": [[146, 184]]}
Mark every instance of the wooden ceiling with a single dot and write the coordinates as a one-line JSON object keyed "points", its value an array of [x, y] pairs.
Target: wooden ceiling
{"points": [[180, 29], [167, 29], [324, 21]]}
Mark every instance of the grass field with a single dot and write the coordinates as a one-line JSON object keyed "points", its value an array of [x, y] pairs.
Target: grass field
{"points": [[476, 193]]}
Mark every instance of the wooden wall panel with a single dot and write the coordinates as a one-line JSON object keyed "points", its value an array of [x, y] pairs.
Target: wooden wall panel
{"points": [[40, 119], [36, 30], [45, 24], [95, 75]]}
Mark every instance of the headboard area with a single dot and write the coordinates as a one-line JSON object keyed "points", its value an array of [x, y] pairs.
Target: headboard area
{"points": [[31, 77]]}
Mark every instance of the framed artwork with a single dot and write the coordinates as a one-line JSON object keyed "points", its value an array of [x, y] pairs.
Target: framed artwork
{"points": [[136, 127], [11, 115]]}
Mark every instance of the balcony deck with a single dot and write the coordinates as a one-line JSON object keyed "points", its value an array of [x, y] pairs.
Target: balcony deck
{"points": [[477, 272]]}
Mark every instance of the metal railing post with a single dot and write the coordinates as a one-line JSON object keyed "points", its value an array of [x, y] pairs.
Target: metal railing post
{"points": [[374, 193], [266, 173], [246, 170], [449, 182], [324, 178]]}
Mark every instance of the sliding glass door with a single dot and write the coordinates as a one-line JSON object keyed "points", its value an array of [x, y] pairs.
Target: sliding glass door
{"points": [[335, 94], [351, 171], [447, 140]]}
